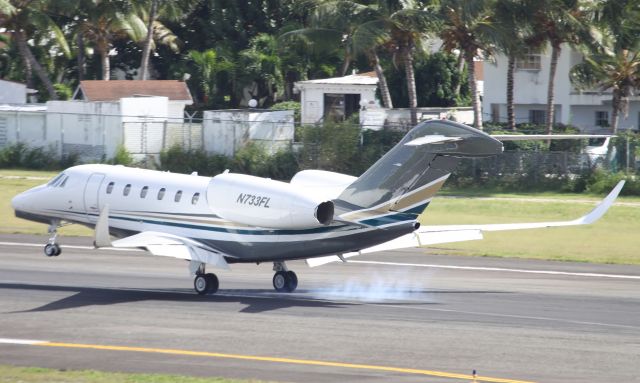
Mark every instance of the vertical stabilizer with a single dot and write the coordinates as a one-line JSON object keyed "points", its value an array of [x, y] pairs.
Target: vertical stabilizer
{"points": [[399, 186]]}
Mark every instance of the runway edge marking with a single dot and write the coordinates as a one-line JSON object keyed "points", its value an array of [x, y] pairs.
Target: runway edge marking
{"points": [[481, 268], [320, 363]]}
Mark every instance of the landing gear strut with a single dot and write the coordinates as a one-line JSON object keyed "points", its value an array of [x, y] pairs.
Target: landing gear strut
{"points": [[205, 283], [284, 280], [52, 249]]}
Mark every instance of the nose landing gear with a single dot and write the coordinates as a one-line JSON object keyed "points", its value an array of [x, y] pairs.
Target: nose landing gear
{"points": [[52, 249]]}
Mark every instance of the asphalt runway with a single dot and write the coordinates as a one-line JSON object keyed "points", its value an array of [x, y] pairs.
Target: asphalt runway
{"points": [[407, 316]]}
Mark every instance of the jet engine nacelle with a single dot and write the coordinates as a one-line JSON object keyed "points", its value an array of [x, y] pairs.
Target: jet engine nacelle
{"points": [[264, 202]]}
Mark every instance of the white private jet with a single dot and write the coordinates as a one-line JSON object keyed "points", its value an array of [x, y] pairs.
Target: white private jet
{"points": [[319, 216]]}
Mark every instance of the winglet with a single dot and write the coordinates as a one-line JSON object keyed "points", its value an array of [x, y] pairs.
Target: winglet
{"points": [[101, 236], [603, 206]]}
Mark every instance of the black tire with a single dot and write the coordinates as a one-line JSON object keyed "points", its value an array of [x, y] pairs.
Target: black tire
{"points": [[201, 284], [212, 282], [280, 282], [50, 250], [292, 281], [58, 250]]}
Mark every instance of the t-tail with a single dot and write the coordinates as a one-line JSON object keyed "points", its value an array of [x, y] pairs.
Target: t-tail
{"points": [[400, 185]]}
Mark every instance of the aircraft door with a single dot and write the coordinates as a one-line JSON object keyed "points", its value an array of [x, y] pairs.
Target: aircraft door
{"points": [[91, 196]]}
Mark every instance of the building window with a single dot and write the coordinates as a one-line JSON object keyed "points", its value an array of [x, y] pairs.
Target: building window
{"points": [[178, 196], [110, 187], [530, 61], [143, 192], [126, 190], [195, 198], [537, 116], [602, 118]]}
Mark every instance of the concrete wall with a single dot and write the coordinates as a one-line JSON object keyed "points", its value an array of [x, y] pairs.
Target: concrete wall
{"points": [[91, 129], [144, 120], [376, 118], [27, 125], [225, 132], [12, 92]]}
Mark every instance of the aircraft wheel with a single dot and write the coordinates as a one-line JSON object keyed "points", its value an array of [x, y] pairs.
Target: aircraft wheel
{"points": [[58, 249], [212, 282], [292, 281], [285, 281], [51, 250], [200, 284], [205, 283]]}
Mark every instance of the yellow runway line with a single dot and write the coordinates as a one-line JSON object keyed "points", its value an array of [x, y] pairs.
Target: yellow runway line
{"points": [[281, 360]]}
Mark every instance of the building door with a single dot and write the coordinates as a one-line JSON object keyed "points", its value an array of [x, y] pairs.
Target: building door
{"points": [[91, 196], [338, 107]]}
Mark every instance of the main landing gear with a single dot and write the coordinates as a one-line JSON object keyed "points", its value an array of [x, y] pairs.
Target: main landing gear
{"points": [[205, 283], [52, 249], [284, 280]]}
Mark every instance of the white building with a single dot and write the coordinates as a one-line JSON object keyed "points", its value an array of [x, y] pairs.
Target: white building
{"points": [[176, 92], [587, 110], [338, 97], [12, 92]]}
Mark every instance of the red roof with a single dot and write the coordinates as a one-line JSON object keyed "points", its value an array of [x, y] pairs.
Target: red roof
{"points": [[112, 90]]}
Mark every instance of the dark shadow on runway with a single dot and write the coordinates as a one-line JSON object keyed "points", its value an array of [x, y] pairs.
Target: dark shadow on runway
{"points": [[256, 301]]}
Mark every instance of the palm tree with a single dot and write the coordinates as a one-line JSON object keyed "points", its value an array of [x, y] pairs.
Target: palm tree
{"points": [[396, 26], [408, 23], [22, 19], [357, 28], [157, 31], [557, 22], [511, 19], [615, 65], [208, 64], [262, 62], [105, 21], [469, 28]]}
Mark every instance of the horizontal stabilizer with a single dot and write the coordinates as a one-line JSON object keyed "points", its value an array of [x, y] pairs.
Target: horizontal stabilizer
{"points": [[529, 137]]}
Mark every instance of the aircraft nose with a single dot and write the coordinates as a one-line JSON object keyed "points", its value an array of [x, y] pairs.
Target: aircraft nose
{"points": [[18, 202]]}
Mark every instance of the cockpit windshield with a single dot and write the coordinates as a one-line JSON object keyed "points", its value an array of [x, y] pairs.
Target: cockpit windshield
{"points": [[58, 180]]}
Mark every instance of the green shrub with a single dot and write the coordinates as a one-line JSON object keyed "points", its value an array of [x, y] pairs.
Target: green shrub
{"points": [[122, 156], [19, 155], [289, 105]]}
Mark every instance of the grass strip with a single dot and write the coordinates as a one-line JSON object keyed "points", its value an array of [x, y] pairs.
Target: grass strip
{"points": [[614, 239], [12, 374]]}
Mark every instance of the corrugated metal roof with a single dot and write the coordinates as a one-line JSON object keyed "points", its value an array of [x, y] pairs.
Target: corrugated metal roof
{"points": [[113, 90], [368, 78]]}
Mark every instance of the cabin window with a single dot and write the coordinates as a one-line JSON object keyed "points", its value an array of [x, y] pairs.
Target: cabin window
{"points": [[161, 193], [195, 198], [126, 190], [178, 196], [143, 192], [110, 187]]}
